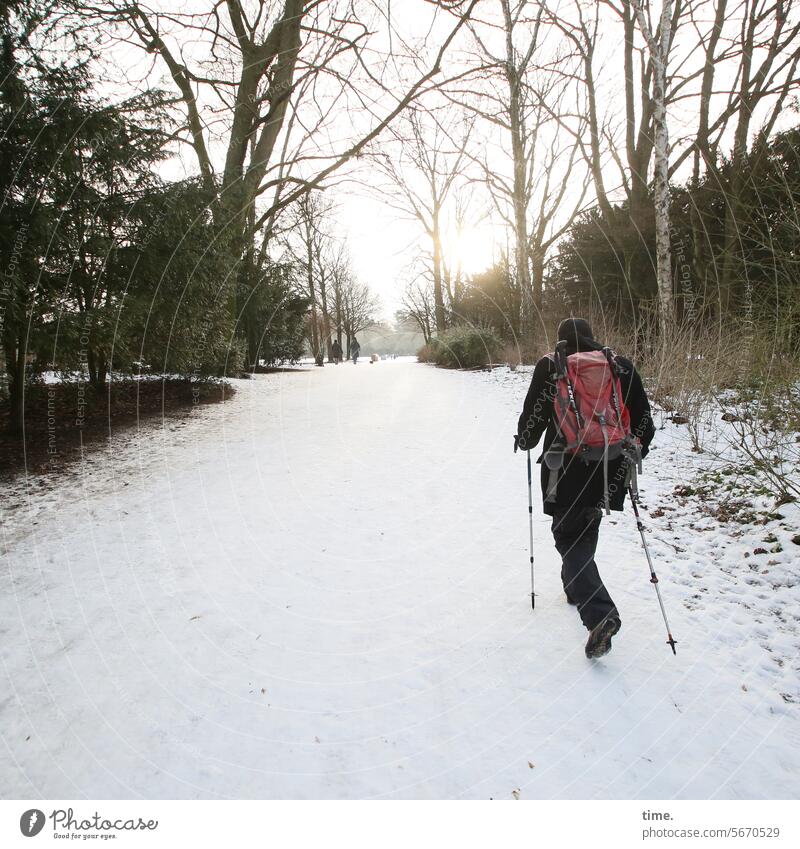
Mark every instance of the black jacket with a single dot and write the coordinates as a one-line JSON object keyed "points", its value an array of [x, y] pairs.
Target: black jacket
{"points": [[581, 483]]}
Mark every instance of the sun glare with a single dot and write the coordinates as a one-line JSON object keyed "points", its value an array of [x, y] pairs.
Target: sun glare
{"points": [[472, 249]]}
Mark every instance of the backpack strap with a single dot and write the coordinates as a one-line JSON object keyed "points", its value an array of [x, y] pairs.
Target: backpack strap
{"points": [[606, 497], [612, 358], [560, 359], [631, 451], [612, 362]]}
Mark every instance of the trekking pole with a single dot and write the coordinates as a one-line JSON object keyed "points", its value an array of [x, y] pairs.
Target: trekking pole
{"points": [[530, 519], [653, 576]]}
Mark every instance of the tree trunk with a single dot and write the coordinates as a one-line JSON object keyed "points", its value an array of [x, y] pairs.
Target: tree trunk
{"points": [[537, 280], [240, 184], [522, 271], [639, 143], [312, 294], [248, 278], [98, 368], [661, 193], [659, 53], [520, 192], [251, 329], [704, 162], [15, 368], [326, 320], [438, 296]]}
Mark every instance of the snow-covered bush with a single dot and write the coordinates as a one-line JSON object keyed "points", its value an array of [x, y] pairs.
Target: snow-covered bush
{"points": [[765, 428], [462, 347]]}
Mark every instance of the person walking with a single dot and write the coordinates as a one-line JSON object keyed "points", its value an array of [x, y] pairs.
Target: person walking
{"points": [[336, 352], [355, 350], [580, 481]]}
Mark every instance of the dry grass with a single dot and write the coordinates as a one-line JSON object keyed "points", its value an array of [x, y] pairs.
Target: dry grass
{"points": [[693, 370]]}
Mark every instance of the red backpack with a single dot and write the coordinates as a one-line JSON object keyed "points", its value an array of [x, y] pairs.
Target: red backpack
{"points": [[590, 413]]}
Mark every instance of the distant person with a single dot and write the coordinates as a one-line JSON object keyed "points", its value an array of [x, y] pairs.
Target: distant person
{"points": [[336, 351], [355, 350], [573, 400]]}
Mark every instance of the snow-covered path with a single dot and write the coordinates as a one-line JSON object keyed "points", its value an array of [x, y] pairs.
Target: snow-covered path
{"points": [[320, 589]]}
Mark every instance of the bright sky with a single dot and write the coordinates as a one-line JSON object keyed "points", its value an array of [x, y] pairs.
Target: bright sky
{"points": [[383, 244]]}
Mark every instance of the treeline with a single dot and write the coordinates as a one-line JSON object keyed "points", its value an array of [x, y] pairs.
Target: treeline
{"points": [[605, 266], [340, 305], [610, 263], [636, 155], [106, 264], [110, 267]]}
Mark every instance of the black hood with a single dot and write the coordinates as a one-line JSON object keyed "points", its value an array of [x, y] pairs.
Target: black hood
{"points": [[577, 332]]}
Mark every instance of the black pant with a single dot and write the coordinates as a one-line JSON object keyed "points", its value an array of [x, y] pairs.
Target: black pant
{"points": [[575, 534]]}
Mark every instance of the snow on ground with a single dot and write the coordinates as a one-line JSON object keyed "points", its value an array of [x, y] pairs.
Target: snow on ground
{"points": [[321, 589]]}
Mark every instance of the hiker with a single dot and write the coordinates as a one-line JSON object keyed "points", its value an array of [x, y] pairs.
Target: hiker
{"points": [[336, 352], [355, 349], [576, 490]]}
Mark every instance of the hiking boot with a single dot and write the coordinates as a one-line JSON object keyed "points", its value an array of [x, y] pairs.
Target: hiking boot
{"points": [[599, 642]]}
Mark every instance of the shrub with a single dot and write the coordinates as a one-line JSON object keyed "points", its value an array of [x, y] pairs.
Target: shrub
{"points": [[462, 347]]}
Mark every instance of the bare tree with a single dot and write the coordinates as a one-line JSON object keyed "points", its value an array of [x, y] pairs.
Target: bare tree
{"points": [[430, 156], [418, 306], [238, 69], [767, 26], [658, 43], [341, 272], [463, 217], [309, 242], [360, 307], [526, 97]]}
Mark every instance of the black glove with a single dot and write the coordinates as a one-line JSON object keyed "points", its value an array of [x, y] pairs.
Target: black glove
{"points": [[519, 442]]}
